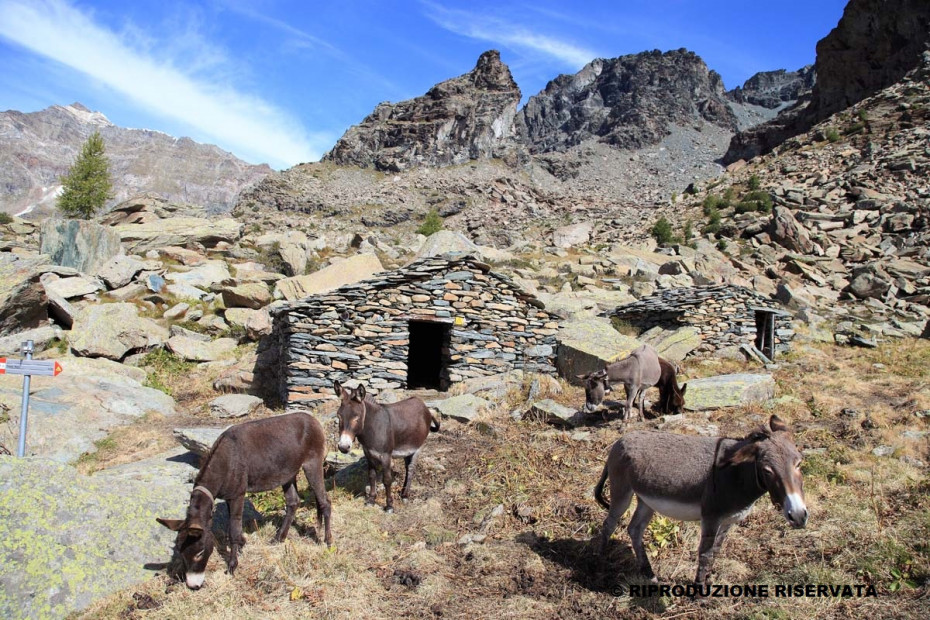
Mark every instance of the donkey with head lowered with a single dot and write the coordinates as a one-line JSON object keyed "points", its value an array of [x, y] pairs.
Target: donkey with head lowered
{"points": [[713, 480], [385, 432], [638, 371], [253, 456]]}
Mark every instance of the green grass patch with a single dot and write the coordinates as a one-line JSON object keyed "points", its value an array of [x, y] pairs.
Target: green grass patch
{"points": [[164, 369]]}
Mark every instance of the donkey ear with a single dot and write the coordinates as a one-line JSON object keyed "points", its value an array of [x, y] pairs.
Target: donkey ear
{"points": [[337, 387], [359, 393], [777, 424], [683, 388], [172, 524], [746, 454]]}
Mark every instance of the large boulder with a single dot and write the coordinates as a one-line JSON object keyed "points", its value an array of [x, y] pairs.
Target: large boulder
{"points": [[68, 413], [674, 345], [178, 230], [83, 245], [120, 270], [204, 275], [113, 330], [67, 539], [354, 269], [23, 306], [572, 235], [71, 288], [252, 295], [729, 391], [256, 323], [464, 408], [587, 345], [785, 230], [444, 242]]}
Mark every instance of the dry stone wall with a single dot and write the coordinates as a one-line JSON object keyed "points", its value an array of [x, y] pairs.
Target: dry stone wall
{"points": [[361, 331], [724, 314]]}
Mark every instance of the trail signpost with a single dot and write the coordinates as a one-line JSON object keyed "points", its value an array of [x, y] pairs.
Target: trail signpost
{"points": [[27, 367]]}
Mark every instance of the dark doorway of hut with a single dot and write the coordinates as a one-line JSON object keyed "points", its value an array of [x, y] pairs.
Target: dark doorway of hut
{"points": [[428, 355]]}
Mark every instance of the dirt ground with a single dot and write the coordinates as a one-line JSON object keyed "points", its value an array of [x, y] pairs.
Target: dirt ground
{"points": [[502, 518]]}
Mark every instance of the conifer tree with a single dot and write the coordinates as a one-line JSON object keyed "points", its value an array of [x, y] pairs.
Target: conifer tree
{"points": [[87, 186]]}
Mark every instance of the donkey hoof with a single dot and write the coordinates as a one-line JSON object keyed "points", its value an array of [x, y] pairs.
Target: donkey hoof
{"points": [[389, 509]]}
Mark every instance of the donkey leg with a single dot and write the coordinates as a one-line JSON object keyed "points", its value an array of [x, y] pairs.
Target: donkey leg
{"points": [[712, 535], [411, 463], [630, 400], [641, 518], [291, 500], [313, 470], [620, 497], [372, 483], [388, 478], [234, 531]]}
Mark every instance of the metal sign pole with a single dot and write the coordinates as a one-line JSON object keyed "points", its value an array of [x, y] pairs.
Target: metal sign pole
{"points": [[23, 417]]}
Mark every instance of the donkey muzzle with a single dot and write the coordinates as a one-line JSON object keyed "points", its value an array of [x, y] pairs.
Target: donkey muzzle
{"points": [[795, 511], [345, 443]]}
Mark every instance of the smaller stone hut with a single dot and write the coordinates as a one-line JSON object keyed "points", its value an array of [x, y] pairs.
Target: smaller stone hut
{"points": [[431, 324], [725, 315]]}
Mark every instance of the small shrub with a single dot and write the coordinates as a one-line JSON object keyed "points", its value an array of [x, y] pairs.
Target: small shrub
{"points": [[662, 231], [722, 245], [5, 218], [432, 223], [687, 231], [755, 201], [754, 183], [713, 222], [832, 134]]}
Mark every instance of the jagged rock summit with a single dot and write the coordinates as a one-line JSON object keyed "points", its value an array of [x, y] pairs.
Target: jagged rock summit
{"points": [[37, 148], [874, 45], [627, 102], [468, 117]]}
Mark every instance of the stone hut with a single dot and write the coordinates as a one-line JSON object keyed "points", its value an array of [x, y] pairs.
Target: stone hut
{"points": [[725, 315], [431, 324]]}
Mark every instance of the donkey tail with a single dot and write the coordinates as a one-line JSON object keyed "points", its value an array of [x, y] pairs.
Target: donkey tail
{"points": [[434, 421], [599, 490]]}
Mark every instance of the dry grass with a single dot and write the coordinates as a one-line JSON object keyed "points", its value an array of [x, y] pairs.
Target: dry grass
{"points": [[870, 520]]}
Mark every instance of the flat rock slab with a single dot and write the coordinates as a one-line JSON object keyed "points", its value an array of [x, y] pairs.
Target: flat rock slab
{"points": [[464, 408], [354, 269], [199, 351], [67, 539], [177, 231], [552, 412], [590, 344], [68, 413], [69, 288], [120, 270], [729, 391], [234, 406], [197, 440]]}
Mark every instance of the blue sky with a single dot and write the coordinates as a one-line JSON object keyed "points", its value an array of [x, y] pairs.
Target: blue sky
{"points": [[279, 81]]}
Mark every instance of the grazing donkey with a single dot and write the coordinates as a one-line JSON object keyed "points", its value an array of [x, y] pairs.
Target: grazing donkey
{"points": [[253, 456], [637, 372], [384, 431], [713, 480], [671, 396]]}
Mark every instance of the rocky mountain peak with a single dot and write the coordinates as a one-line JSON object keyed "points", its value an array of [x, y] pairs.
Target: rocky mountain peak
{"points": [[873, 46], [774, 89], [627, 102], [467, 117]]}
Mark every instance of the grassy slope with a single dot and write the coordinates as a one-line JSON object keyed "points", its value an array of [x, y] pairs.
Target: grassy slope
{"points": [[870, 520]]}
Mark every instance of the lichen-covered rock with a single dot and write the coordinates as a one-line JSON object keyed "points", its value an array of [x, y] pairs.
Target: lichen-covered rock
{"points": [[199, 351], [68, 539], [113, 330], [83, 245], [590, 344], [675, 345], [197, 440], [729, 391], [139, 238], [234, 405], [552, 412], [464, 408], [256, 323]]}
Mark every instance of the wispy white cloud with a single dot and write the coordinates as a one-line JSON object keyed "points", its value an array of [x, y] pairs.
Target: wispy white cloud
{"points": [[507, 33], [240, 122]]}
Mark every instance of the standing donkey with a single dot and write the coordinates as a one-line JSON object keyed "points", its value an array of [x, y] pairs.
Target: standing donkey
{"points": [[638, 371], [384, 431], [253, 456], [713, 480]]}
